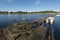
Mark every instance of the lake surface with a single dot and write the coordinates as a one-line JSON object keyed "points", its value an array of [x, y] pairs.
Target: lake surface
{"points": [[7, 20], [56, 26]]}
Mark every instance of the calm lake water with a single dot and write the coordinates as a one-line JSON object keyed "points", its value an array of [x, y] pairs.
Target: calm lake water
{"points": [[56, 26], [7, 20]]}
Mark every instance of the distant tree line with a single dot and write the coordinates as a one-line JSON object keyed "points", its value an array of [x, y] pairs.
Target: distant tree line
{"points": [[21, 12]]}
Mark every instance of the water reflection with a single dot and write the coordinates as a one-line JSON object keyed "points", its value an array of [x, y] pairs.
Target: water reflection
{"points": [[6, 20]]}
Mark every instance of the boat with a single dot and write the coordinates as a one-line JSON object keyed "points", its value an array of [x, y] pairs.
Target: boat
{"points": [[50, 20]]}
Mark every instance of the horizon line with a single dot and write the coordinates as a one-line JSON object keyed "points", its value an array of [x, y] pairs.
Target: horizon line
{"points": [[30, 11]]}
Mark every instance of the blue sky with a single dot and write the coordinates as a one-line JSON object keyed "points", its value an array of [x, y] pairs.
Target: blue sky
{"points": [[29, 5]]}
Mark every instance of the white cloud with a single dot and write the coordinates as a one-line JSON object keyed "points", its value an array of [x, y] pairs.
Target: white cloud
{"points": [[37, 2], [10, 1]]}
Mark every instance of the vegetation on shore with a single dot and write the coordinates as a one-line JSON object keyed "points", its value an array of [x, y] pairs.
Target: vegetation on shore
{"points": [[21, 12]]}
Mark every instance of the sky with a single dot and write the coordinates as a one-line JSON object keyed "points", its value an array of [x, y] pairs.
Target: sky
{"points": [[29, 5]]}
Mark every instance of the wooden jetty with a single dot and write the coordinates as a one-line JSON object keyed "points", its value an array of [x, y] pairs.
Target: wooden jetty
{"points": [[28, 31]]}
